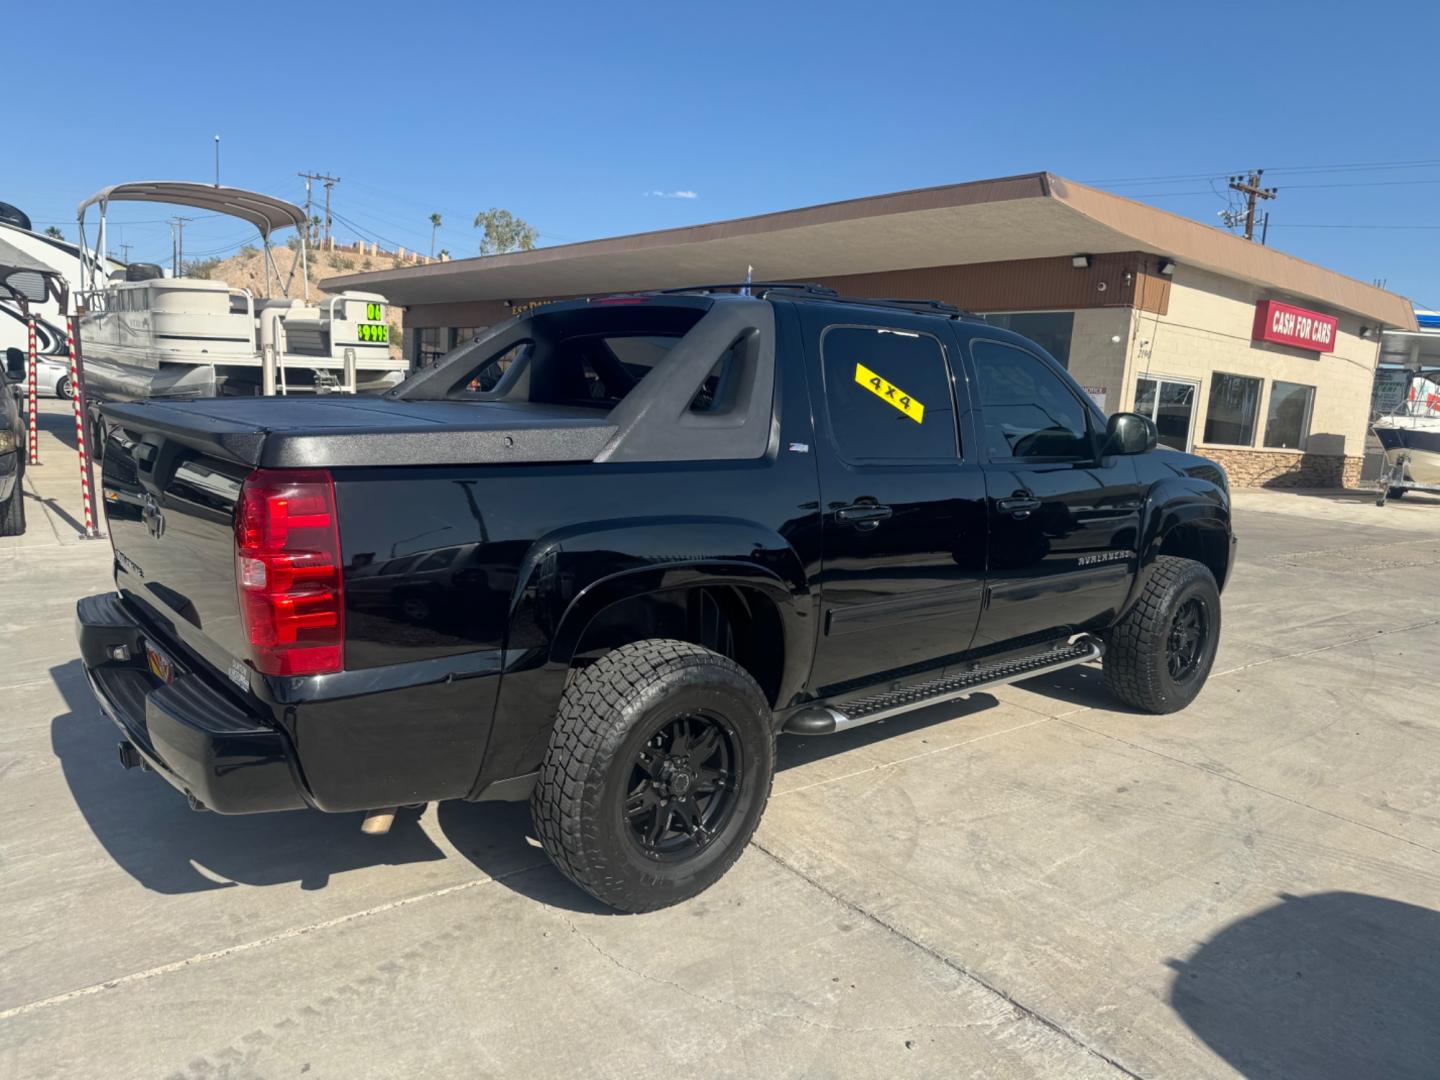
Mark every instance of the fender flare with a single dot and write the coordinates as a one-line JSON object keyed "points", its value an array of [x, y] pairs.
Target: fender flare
{"points": [[1178, 503], [595, 598]]}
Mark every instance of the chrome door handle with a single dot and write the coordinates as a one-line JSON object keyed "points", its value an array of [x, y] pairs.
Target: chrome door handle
{"points": [[1019, 505], [863, 515]]}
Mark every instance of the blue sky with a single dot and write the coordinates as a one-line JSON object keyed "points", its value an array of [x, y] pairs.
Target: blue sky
{"points": [[575, 115]]}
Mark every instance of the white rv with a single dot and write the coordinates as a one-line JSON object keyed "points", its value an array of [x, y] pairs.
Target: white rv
{"points": [[50, 320]]}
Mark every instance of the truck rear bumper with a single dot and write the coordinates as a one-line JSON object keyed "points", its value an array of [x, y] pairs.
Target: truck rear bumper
{"points": [[194, 735]]}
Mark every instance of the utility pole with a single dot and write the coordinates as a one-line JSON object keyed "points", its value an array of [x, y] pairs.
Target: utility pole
{"points": [[124, 253], [1249, 186], [306, 177], [329, 182], [177, 244]]}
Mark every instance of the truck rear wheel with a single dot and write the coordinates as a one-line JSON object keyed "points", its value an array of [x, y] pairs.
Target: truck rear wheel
{"points": [[658, 769], [1159, 655]]}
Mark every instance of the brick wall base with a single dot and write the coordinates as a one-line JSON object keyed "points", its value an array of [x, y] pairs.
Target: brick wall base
{"points": [[1249, 468]]}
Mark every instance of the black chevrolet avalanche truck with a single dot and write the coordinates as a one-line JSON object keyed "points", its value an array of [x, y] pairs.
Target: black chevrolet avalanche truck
{"points": [[601, 556]]}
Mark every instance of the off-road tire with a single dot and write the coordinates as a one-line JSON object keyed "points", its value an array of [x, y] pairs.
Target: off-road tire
{"points": [[12, 512], [607, 713], [1136, 669]]}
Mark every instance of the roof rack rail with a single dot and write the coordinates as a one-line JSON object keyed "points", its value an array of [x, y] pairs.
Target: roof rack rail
{"points": [[938, 307], [814, 291], [798, 286]]}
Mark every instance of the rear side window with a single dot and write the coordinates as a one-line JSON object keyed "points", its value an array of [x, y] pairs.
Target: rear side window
{"points": [[887, 393], [1029, 410]]}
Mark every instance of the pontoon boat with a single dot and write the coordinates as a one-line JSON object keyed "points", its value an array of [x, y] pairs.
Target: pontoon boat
{"points": [[148, 335]]}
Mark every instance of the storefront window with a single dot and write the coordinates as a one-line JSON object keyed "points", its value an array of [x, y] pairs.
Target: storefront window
{"points": [[1287, 424], [433, 343], [1171, 404], [1234, 404], [1051, 330]]}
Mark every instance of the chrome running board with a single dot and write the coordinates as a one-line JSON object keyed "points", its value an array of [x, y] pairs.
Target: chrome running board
{"points": [[841, 715]]}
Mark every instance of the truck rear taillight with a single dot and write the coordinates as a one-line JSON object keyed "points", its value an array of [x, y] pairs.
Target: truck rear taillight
{"points": [[287, 571]]}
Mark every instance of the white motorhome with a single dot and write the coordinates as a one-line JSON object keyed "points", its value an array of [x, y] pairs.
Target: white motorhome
{"points": [[50, 320]]}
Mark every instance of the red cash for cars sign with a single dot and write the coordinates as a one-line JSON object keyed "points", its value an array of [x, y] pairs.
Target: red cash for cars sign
{"points": [[1286, 324]]}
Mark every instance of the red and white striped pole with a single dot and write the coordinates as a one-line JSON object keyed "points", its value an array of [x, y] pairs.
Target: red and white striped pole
{"points": [[77, 383], [33, 395]]}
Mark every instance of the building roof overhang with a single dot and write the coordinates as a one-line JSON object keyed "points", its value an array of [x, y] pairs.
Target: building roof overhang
{"points": [[1037, 215]]}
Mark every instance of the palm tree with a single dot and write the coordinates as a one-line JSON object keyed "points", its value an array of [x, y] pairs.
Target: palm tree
{"points": [[52, 231], [434, 225]]}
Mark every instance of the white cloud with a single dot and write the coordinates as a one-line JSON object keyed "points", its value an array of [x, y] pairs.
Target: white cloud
{"points": [[682, 194]]}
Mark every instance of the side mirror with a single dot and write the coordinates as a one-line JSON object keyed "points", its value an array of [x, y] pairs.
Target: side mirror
{"points": [[1130, 433], [15, 364]]}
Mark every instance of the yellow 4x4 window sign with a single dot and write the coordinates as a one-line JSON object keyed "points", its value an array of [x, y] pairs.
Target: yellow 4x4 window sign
{"points": [[889, 393]]}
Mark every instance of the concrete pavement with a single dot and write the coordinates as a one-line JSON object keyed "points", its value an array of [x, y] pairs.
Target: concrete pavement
{"points": [[1023, 884]]}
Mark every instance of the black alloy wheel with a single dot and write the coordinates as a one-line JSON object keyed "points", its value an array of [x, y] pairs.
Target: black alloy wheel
{"points": [[657, 771], [1159, 654], [1189, 633], [683, 786]]}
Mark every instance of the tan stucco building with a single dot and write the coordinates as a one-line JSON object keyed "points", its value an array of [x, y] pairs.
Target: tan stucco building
{"points": [[1248, 355]]}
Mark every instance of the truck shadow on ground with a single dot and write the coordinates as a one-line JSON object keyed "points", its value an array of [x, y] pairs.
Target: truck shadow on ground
{"points": [[1082, 685], [472, 827], [145, 826], [1328, 986]]}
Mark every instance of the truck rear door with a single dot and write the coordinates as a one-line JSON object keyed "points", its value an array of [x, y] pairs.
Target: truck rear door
{"points": [[903, 509]]}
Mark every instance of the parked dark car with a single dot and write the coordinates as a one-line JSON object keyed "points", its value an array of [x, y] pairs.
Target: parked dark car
{"points": [[13, 449], [603, 555]]}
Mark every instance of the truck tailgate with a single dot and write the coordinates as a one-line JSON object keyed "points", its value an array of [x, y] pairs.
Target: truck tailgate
{"points": [[172, 474]]}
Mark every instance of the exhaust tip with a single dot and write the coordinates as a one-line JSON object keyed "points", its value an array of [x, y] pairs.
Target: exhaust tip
{"points": [[129, 757], [378, 822]]}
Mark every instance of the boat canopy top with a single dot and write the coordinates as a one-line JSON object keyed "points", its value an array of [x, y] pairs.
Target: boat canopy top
{"points": [[265, 212]]}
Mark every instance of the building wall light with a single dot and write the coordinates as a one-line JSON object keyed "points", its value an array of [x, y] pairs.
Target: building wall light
{"points": [[1167, 266], [1080, 262]]}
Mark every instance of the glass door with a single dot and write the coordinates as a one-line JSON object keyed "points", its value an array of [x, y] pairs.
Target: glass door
{"points": [[1171, 404]]}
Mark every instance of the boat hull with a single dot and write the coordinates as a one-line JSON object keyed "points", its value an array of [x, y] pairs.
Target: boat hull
{"points": [[1418, 442]]}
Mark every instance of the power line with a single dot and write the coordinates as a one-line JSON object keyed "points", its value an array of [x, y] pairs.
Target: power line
{"points": [[1359, 166], [1306, 225]]}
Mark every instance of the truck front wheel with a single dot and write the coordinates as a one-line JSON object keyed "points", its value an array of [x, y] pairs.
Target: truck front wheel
{"points": [[12, 512], [1159, 655], [658, 769]]}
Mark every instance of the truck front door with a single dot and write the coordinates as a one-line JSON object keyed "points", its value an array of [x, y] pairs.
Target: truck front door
{"points": [[902, 507], [1064, 518]]}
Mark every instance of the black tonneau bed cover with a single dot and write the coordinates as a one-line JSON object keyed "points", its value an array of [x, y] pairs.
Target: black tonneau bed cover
{"points": [[337, 431]]}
